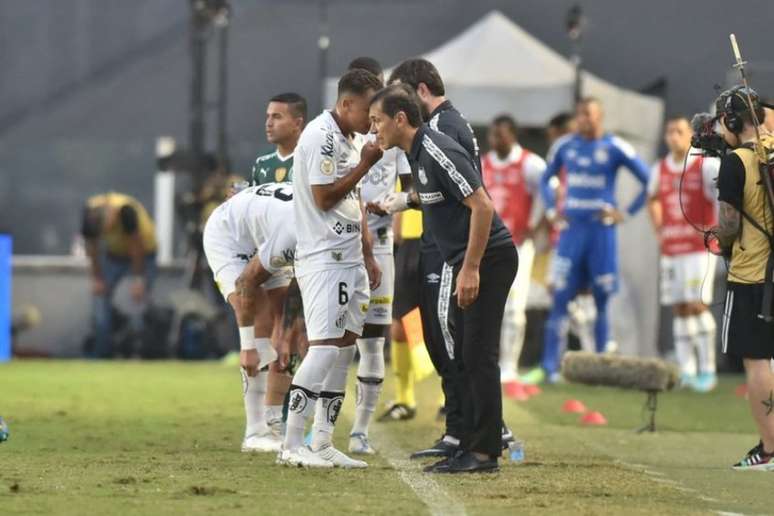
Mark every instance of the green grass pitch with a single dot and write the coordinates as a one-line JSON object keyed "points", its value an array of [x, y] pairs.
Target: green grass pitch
{"points": [[163, 438]]}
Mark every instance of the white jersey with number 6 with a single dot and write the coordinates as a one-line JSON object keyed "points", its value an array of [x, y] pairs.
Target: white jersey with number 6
{"points": [[326, 239]]}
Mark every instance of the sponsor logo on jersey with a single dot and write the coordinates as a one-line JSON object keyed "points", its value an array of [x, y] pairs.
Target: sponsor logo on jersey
{"points": [[585, 180], [422, 175], [364, 307], [246, 257], [601, 156], [381, 300], [280, 174], [327, 148], [430, 197], [338, 228], [433, 278], [583, 161], [337, 255]]}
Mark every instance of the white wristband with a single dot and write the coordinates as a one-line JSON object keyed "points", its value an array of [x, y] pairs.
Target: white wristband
{"points": [[246, 337], [266, 352]]}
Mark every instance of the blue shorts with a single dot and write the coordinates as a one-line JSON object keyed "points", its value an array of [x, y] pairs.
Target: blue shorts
{"points": [[586, 256]]}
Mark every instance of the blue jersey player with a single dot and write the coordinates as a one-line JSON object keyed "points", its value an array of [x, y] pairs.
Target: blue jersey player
{"points": [[586, 255]]}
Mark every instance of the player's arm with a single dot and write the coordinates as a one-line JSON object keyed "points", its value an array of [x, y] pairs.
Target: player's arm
{"points": [[731, 180], [328, 192], [535, 169], [654, 202], [630, 160], [374, 272], [555, 162], [247, 284], [127, 217]]}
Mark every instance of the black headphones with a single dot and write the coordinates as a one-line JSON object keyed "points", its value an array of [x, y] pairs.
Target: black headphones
{"points": [[732, 104]]}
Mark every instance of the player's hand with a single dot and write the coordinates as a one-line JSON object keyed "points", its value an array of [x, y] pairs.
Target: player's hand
{"points": [[609, 215], [370, 154], [376, 209], [138, 289], [374, 272], [249, 360], [98, 286], [555, 220], [395, 202], [283, 352], [467, 286]]}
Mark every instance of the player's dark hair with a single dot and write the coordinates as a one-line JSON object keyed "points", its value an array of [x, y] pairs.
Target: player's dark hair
{"points": [[397, 98], [561, 120], [128, 217], [296, 103], [416, 71], [509, 122], [91, 222], [358, 82], [366, 63]]}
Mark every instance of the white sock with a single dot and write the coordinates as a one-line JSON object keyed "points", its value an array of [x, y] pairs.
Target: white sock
{"points": [[254, 390], [370, 376], [273, 413], [705, 342], [684, 329], [583, 316], [304, 391], [331, 399]]}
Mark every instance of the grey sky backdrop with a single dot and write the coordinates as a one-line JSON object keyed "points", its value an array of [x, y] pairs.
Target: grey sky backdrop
{"points": [[87, 85]]}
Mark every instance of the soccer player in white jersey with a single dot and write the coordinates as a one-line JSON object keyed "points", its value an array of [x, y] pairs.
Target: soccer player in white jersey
{"points": [[682, 194], [378, 183], [334, 266], [249, 243]]}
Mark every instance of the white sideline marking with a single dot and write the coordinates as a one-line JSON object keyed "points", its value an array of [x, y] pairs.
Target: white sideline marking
{"points": [[438, 501]]}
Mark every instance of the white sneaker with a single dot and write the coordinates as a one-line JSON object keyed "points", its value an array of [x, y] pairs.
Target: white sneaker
{"points": [[359, 445], [266, 443], [338, 459], [302, 457]]}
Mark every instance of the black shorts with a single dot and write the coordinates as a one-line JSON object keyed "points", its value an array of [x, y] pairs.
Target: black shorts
{"points": [[407, 278], [743, 333]]}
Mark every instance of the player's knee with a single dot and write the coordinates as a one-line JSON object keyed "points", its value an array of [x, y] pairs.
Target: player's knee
{"points": [[371, 366]]}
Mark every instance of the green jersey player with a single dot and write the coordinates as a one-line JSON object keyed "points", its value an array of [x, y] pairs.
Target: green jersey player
{"points": [[285, 119]]}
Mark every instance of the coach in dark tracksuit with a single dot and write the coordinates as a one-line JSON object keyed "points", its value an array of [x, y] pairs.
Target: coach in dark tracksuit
{"points": [[479, 264], [441, 116]]}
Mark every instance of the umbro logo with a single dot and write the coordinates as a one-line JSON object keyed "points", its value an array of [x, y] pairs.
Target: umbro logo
{"points": [[433, 278]]}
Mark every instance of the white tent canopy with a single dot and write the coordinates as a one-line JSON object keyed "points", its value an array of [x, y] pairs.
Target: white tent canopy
{"points": [[495, 66]]}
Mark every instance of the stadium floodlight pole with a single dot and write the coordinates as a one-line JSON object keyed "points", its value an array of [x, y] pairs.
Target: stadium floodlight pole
{"points": [[222, 22], [575, 23], [323, 43], [199, 24]]}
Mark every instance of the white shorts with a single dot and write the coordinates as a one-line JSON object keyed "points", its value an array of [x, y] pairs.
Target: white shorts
{"points": [[227, 261], [687, 278], [380, 305], [335, 300]]}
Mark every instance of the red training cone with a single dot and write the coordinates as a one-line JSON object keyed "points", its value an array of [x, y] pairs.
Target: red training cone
{"points": [[593, 418], [532, 390], [516, 391], [574, 407]]}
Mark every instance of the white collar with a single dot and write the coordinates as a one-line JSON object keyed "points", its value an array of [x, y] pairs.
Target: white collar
{"points": [[512, 157], [283, 158], [675, 166]]}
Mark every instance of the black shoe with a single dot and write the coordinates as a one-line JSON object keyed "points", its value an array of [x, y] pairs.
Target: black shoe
{"points": [[398, 412], [441, 448], [468, 463], [438, 466]]}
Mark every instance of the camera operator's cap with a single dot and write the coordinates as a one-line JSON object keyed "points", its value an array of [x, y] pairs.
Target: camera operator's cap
{"points": [[734, 100]]}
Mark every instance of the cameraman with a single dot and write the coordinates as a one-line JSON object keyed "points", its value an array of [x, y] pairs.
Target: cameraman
{"points": [[745, 231]]}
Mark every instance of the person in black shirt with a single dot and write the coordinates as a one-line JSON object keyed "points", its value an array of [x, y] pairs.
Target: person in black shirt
{"points": [[426, 82], [480, 261]]}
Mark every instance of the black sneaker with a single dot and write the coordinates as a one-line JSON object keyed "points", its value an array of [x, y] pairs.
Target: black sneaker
{"points": [[398, 412], [756, 459], [440, 448], [467, 463]]}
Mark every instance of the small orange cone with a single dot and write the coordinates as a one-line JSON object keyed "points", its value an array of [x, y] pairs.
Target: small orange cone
{"points": [[516, 391], [593, 418], [741, 391], [532, 390], [574, 407]]}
